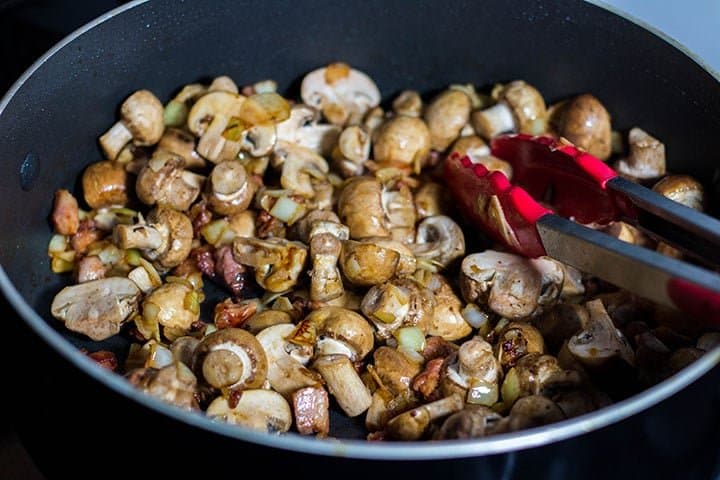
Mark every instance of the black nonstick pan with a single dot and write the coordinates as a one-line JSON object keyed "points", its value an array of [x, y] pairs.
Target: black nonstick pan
{"points": [[75, 415]]}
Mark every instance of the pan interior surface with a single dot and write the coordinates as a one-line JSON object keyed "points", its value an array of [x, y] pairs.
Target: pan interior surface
{"points": [[52, 117]]}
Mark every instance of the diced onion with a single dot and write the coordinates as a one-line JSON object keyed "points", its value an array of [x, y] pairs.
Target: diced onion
{"points": [[410, 337], [510, 388], [152, 273], [159, 355], [475, 317], [58, 243], [175, 113], [213, 231], [191, 302], [141, 278], [109, 255], [411, 354], [481, 393], [58, 265], [265, 86], [132, 257], [287, 210], [147, 323]]}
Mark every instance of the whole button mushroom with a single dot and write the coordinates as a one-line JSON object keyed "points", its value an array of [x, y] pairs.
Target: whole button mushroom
{"points": [[165, 181], [682, 189], [599, 341], [533, 411], [97, 308], [394, 369], [141, 120], [519, 108], [375, 260], [445, 116], [413, 424], [439, 240], [165, 238], [408, 103], [352, 151], [341, 93], [208, 120], [584, 121], [537, 374], [402, 142], [105, 184], [399, 303], [229, 189], [231, 358], [515, 341], [257, 409], [360, 208]]}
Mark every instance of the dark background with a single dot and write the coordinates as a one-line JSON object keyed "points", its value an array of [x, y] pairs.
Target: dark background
{"points": [[27, 30]]}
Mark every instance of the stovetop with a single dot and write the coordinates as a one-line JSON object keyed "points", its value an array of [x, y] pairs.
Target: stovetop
{"points": [[29, 28]]}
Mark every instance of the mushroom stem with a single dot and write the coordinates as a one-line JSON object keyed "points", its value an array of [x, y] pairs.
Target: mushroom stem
{"points": [[150, 237], [494, 120], [115, 139], [344, 383], [412, 424]]}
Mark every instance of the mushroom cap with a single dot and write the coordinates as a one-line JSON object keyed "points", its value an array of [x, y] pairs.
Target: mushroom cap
{"points": [[170, 302], [445, 116], [585, 122], [183, 349], [230, 189], [366, 263], [257, 409], [302, 128], [534, 411], [472, 146], [440, 239], [402, 141], [527, 105], [142, 114], [259, 140], [447, 320], [509, 284], [174, 383], [163, 180], [240, 350], [340, 92], [473, 421], [97, 308], [341, 324], [211, 104], [286, 371], [516, 340], [431, 199], [682, 189], [299, 166], [105, 184], [180, 235], [265, 319], [360, 208]]}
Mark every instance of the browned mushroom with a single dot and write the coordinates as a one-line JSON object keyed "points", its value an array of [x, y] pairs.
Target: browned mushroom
{"points": [[229, 189], [402, 302], [515, 341], [105, 184], [174, 383], [475, 148], [474, 373], [173, 305], [257, 409], [402, 142], [344, 383], [682, 189], [519, 108], [181, 143], [166, 237], [413, 424], [141, 120], [584, 121], [408, 103], [165, 181], [470, 422], [646, 159], [231, 358], [277, 262], [375, 260], [445, 116], [599, 341]]}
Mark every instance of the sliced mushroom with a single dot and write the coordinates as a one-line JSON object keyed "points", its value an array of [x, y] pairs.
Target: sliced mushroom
{"points": [[258, 140], [375, 260], [341, 93], [560, 323], [511, 286], [445, 116], [311, 411], [585, 122], [223, 83], [301, 229], [300, 166], [646, 159], [474, 373], [360, 208], [141, 120], [105, 184], [397, 304], [174, 383], [537, 374], [231, 358], [352, 151], [181, 143], [399, 208], [302, 128], [277, 262], [413, 424], [447, 320], [325, 281], [165, 181], [209, 118], [176, 110], [471, 422], [286, 360], [229, 189], [519, 108], [97, 308], [172, 305], [265, 319], [166, 237], [599, 341], [257, 409], [402, 142], [439, 240]]}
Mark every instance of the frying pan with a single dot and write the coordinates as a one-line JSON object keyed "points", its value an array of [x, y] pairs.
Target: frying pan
{"points": [[73, 414]]}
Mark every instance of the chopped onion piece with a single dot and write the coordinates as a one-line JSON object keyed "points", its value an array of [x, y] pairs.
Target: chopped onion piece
{"points": [[412, 355], [410, 337], [175, 113], [152, 273], [474, 316], [287, 210], [58, 265], [58, 243]]}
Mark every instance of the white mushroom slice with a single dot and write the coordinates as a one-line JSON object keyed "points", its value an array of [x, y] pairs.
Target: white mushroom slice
{"points": [[600, 340], [439, 240], [208, 106], [325, 281], [447, 320], [223, 83], [302, 129], [299, 166], [262, 410], [399, 209], [258, 140], [277, 262], [343, 94], [286, 361], [509, 284], [97, 308], [353, 150], [553, 278]]}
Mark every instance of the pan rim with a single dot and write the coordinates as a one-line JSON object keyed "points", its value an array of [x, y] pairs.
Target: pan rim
{"points": [[356, 449]]}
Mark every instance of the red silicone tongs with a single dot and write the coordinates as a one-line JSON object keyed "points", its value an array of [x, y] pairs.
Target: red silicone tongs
{"points": [[584, 190]]}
